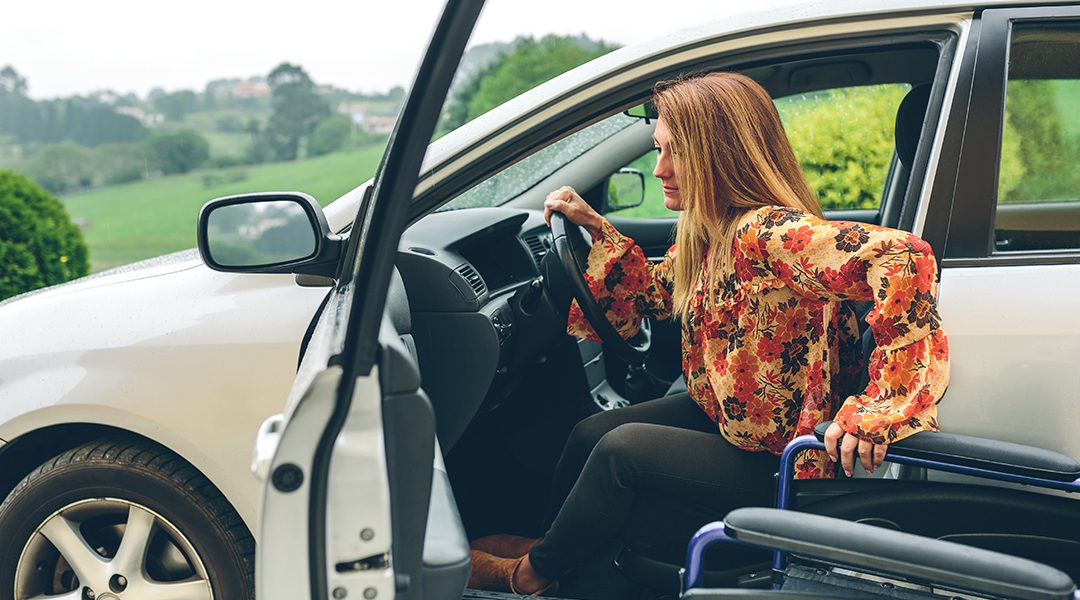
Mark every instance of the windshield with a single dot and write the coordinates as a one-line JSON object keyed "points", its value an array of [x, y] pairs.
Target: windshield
{"points": [[526, 173]]}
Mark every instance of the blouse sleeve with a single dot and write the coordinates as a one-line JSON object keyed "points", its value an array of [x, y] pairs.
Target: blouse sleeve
{"points": [[839, 260], [625, 284]]}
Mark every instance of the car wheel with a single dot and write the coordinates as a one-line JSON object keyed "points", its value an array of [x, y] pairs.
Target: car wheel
{"points": [[122, 520]]}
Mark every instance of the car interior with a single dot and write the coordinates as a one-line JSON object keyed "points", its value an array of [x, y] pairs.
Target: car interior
{"points": [[479, 300]]}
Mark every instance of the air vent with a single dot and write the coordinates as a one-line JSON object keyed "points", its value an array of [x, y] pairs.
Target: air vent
{"points": [[472, 277], [538, 246]]}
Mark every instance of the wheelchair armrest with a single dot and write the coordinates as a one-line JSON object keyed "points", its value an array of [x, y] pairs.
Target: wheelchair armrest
{"points": [[982, 453], [884, 551]]}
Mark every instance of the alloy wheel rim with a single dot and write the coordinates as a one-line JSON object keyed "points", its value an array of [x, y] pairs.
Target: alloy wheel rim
{"points": [[109, 549]]}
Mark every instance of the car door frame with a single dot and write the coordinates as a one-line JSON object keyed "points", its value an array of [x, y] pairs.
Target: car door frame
{"points": [[969, 232], [1011, 348], [347, 369]]}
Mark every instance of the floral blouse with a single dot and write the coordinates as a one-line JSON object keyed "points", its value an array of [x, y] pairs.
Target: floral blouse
{"points": [[774, 349]]}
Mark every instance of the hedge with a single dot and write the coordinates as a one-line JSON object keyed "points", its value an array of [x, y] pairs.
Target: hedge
{"points": [[39, 245]]}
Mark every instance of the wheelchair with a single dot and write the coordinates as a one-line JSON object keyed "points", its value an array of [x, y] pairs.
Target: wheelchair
{"points": [[817, 556]]}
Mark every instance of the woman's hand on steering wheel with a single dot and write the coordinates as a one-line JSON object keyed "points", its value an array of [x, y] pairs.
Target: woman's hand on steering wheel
{"points": [[577, 211], [871, 455]]}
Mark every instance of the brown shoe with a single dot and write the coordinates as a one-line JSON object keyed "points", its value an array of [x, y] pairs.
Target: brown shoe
{"points": [[504, 545], [496, 574], [492, 573]]}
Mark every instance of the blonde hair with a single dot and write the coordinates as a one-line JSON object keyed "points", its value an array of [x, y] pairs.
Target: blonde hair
{"points": [[732, 156]]}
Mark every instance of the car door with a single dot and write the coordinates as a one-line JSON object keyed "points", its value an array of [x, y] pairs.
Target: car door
{"points": [[1011, 264], [356, 416]]}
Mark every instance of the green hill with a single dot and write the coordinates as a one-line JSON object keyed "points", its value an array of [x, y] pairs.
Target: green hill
{"points": [[130, 222]]}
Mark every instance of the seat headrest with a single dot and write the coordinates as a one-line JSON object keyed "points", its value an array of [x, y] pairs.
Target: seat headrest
{"points": [[909, 122]]}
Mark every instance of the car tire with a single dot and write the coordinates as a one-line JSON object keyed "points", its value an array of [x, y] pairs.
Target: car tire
{"points": [[115, 516]]}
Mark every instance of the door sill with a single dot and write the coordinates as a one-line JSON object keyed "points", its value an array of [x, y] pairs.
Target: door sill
{"points": [[471, 594]]}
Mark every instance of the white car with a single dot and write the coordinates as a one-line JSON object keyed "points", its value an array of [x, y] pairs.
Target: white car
{"points": [[130, 401]]}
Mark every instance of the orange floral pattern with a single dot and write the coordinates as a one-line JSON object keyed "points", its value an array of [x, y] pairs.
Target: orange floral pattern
{"points": [[774, 349]]}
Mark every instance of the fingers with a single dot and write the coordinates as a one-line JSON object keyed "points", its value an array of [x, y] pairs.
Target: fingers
{"points": [[551, 205], [566, 201], [832, 440], [879, 454], [847, 453], [871, 455], [866, 455]]}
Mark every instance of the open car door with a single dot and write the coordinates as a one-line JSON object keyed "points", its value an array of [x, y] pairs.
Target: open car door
{"points": [[348, 488]]}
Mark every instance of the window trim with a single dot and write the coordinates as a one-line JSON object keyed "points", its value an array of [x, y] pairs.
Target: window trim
{"points": [[970, 237], [577, 115]]}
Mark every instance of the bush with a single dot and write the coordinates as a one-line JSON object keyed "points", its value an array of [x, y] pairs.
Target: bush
{"points": [[62, 167], [40, 245], [230, 124], [226, 161], [330, 135], [177, 152], [119, 163], [212, 179], [843, 139], [1038, 157]]}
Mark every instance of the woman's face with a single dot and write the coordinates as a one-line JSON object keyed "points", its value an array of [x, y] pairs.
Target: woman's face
{"points": [[665, 166]]}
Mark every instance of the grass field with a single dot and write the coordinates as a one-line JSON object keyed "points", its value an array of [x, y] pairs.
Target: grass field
{"points": [[130, 222], [221, 143]]}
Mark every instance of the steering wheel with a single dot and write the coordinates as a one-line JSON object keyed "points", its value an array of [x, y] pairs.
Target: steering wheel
{"points": [[572, 244]]}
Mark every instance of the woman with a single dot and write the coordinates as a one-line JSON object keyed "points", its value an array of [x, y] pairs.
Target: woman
{"points": [[758, 279]]}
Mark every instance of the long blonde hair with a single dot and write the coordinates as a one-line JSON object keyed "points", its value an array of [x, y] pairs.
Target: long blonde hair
{"points": [[732, 156]]}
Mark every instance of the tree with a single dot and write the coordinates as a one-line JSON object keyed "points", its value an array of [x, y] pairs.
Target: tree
{"points": [[1032, 135], [11, 82], [40, 245], [530, 63], [297, 109], [177, 152], [177, 104], [62, 167], [330, 135]]}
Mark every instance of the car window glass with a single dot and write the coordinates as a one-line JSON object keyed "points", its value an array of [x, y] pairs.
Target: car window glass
{"points": [[1038, 192], [512, 181], [653, 206], [843, 138]]}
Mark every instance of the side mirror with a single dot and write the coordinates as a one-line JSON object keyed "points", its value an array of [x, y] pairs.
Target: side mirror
{"points": [[276, 232], [645, 110], [625, 189]]}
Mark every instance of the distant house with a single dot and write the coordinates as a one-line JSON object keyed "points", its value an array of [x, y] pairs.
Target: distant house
{"points": [[354, 110], [361, 117], [380, 125], [149, 119], [249, 89]]}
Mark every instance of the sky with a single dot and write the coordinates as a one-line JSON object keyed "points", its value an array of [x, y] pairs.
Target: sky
{"points": [[66, 47]]}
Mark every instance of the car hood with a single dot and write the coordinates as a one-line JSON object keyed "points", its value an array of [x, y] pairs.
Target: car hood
{"points": [[151, 267]]}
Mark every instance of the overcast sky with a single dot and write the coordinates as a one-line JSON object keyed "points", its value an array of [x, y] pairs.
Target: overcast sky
{"points": [[65, 47]]}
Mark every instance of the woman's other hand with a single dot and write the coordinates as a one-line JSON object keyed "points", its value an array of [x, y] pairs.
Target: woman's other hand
{"points": [[566, 201], [871, 455]]}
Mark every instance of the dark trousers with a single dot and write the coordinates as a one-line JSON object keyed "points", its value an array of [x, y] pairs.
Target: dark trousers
{"points": [[666, 445]]}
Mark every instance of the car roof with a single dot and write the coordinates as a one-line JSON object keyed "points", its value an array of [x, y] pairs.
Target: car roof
{"points": [[810, 12], [457, 143]]}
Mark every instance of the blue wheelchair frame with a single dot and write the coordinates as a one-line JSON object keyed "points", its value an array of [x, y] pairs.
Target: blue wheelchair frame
{"points": [[897, 453]]}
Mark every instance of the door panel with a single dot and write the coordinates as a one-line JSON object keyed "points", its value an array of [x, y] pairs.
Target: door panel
{"points": [[1014, 339], [654, 236], [409, 427]]}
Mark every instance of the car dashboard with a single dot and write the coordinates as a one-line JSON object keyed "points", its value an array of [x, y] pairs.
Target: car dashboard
{"points": [[480, 316]]}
